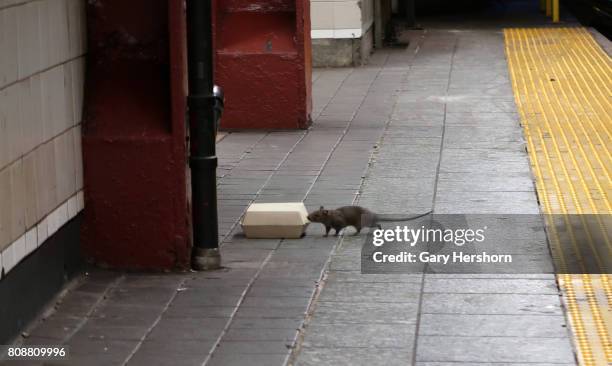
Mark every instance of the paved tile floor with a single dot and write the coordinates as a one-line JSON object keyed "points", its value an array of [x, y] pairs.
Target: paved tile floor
{"points": [[453, 144], [432, 126]]}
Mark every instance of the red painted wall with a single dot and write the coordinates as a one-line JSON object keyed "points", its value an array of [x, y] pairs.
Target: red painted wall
{"points": [[263, 63], [134, 136]]}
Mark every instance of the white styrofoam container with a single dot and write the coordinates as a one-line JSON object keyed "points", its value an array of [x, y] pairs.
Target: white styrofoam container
{"points": [[275, 220]]}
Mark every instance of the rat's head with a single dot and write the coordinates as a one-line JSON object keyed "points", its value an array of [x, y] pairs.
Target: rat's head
{"points": [[318, 215]]}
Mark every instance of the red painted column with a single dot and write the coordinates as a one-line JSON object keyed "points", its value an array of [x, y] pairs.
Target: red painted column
{"points": [[263, 63], [134, 136]]}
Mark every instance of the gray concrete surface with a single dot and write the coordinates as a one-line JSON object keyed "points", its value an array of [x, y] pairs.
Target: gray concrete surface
{"points": [[343, 52], [453, 144]]}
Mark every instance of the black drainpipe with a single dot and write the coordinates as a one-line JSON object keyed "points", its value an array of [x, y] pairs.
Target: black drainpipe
{"points": [[203, 130]]}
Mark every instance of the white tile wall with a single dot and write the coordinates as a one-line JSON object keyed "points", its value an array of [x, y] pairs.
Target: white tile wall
{"points": [[19, 249], [35, 184], [29, 39], [8, 259], [76, 27], [30, 113], [68, 94], [47, 185], [54, 102], [30, 177], [78, 156], [72, 206], [42, 43], [6, 3], [347, 14], [64, 166], [45, 36], [9, 64], [6, 212], [27, 243], [340, 18], [322, 15], [57, 27], [77, 68], [31, 241], [4, 137], [80, 200], [42, 231], [17, 200], [10, 112]]}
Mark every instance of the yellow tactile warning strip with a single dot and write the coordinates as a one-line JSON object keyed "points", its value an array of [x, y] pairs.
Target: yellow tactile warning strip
{"points": [[562, 82]]}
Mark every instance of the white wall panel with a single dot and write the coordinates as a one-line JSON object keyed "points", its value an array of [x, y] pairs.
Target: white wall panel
{"points": [[341, 18], [42, 65]]}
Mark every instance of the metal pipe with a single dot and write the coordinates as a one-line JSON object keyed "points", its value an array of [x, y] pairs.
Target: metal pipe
{"points": [[202, 123], [555, 11]]}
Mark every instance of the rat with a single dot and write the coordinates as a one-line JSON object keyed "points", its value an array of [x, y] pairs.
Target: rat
{"points": [[356, 216]]}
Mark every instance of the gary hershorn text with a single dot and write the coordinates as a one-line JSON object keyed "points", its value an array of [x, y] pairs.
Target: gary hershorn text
{"points": [[427, 257]]}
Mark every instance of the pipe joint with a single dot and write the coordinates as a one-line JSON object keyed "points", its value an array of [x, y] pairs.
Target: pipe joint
{"points": [[206, 259]]}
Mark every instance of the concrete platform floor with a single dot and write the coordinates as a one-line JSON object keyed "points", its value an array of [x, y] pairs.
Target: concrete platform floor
{"points": [[432, 126]]}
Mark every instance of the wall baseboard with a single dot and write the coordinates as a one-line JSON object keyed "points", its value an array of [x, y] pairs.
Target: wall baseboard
{"points": [[29, 286], [342, 52]]}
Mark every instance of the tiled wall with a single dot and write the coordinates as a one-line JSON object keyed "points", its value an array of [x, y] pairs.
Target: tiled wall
{"points": [[341, 18], [42, 47]]}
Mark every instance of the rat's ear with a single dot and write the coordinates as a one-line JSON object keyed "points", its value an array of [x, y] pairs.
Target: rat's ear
{"points": [[321, 208], [325, 212]]}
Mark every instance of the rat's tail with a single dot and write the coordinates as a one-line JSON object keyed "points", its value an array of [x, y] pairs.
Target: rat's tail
{"points": [[401, 218]]}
